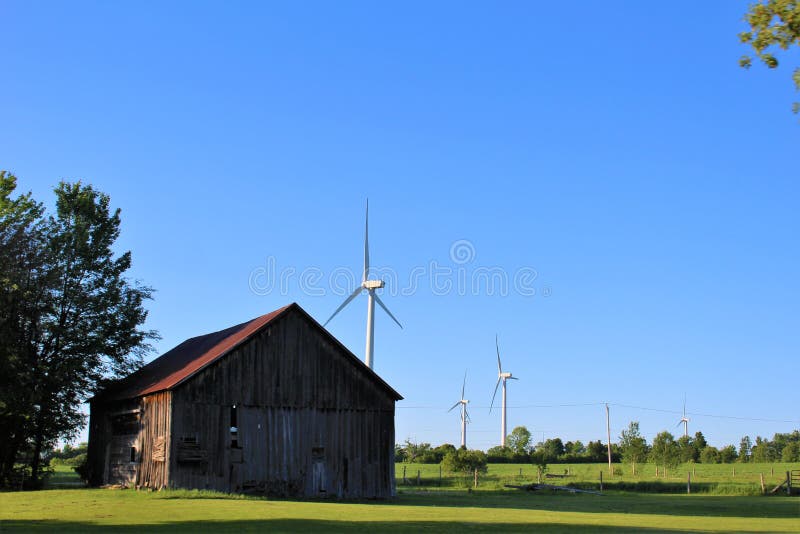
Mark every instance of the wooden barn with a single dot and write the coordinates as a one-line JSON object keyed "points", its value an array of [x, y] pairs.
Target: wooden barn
{"points": [[275, 405]]}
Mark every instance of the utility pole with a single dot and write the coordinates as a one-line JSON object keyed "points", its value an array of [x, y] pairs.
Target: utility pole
{"points": [[608, 434]]}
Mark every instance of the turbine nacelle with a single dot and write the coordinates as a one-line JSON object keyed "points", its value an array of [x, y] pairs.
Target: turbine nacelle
{"points": [[372, 284], [505, 375]]}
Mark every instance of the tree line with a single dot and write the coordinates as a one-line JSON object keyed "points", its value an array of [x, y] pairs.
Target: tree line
{"points": [[70, 319], [632, 448]]}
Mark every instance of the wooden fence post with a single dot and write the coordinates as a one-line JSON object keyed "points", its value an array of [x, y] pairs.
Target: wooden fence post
{"points": [[601, 480], [418, 477], [689, 484], [440, 475], [405, 480], [788, 483], [734, 470], [772, 471], [763, 490], [520, 472], [475, 484]]}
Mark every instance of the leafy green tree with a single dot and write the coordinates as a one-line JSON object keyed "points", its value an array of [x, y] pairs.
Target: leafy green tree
{"points": [[773, 23], [728, 455], [519, 441], [596, 451], [700, 442], [745, 446], [762, 451], [464, 461], [77, 325], [791, 452], [687, 450], [441, 451], [665, 451], [633, 446], [420, 453], [574, 448], [709, 455]]}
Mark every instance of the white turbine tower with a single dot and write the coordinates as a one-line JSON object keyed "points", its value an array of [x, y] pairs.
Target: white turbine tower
{"points": [[372, 298], [501, 376], [684, 419], [464, 415]]}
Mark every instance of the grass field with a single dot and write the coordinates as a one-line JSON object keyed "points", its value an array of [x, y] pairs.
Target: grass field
{"points": [[714, 479], [414, 509]]}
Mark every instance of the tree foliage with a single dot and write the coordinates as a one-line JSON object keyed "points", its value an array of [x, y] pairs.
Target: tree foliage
{"points": [[69, 318], [665, 451], [773, 23], [464, 461], [633, 445], [519, 441]]}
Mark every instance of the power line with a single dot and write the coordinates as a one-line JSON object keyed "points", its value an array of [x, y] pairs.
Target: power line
{"points": [[631, 406]]}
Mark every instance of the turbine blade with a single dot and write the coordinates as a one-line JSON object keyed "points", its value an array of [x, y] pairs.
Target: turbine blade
{"points": [[382, 305], [456, 404], [464, 385], [513, 378], [466, 413], [497, 344], [495, 394], [679, 423], [347, 301], [366, 245]]}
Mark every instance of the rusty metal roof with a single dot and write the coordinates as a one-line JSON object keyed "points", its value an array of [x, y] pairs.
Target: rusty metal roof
{"points": [[197, 353]]}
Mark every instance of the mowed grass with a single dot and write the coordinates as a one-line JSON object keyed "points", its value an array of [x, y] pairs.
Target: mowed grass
{"points": [[413, 510]]}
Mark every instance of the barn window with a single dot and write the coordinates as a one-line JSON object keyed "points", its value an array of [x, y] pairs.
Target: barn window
{"points": [[234, 428], [133, 454]]}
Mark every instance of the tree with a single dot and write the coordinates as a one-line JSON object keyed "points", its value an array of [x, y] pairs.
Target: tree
{"points": [[727, 455], [700, 442], [772, 23], [709, 455], [745, 445], [633, 445], [665, 450], [519, 441], [464, 461], [77, 325], [791, 452], [687, 450], [441, 451]]}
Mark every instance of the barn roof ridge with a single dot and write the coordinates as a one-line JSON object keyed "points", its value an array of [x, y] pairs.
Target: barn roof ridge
{"points": [[188, 358]]}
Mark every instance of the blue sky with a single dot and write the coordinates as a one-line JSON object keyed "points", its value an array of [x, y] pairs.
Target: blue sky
{"points": [[614, 148]]}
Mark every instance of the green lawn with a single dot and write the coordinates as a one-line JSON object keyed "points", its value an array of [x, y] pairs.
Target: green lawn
{"points": [[413, 510]]}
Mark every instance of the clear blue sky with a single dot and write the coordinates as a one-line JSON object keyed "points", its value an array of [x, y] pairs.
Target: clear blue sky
{"points": [[614, 147]]}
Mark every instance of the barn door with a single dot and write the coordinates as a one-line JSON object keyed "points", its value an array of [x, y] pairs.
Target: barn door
{"points": [[318, 471]]}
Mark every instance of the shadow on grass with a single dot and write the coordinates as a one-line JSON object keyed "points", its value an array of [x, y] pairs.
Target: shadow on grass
{"points": [[305, 525], [626, 503]]}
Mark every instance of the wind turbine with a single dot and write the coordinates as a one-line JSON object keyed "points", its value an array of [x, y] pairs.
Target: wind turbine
{"points": [[501, 376], [464, 415], [372, 298], [684, 419]]}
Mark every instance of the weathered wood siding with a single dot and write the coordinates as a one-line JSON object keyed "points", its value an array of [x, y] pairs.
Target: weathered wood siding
{"points": [[117, 427], [154, 440], [311, 422]]}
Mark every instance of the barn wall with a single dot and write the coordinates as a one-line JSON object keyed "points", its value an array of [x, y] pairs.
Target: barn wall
{"points": [[116, 427], [311, 422], [110, 441], [153, 440]]}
